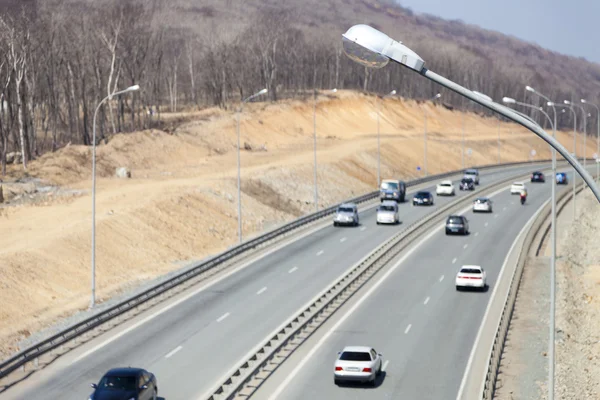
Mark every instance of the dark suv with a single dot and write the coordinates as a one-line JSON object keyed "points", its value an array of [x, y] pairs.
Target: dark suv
{"points": [[467, 184], [422, 198], [538, 177], [457, 224]]}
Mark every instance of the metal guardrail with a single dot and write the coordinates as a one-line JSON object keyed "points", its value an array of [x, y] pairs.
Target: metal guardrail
{"points": [[491, 377], [248, 376], [32, 353]]}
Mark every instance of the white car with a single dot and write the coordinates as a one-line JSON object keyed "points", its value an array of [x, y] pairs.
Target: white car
{"points": [[445, 188], [482, 204], [470, 276], [387, 213], [358, 364], [516, 187], [473, 174]]}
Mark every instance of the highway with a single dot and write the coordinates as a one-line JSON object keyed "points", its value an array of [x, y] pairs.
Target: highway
{"points": [[194, 344], [424, 328]]}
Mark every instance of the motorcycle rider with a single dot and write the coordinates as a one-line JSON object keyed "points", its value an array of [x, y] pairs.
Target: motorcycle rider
{"points": [[523, 195]]}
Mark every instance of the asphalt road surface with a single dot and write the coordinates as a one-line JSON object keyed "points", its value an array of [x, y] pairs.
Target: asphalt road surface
{"points": [[193, 345]]}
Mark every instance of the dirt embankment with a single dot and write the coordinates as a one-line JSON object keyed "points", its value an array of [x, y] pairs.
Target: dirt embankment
{"points": [[180, 203]]}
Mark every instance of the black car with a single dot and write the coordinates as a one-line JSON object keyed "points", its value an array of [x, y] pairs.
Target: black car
{"points": [[423, 199], [457, 224], [538, 177], [467, 184], [126, 384]]}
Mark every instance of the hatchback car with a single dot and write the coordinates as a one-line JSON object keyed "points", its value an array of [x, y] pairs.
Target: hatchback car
{"points": [[473, 174], [126, 384], [387, 213], [457, 224], [346, 214], [517, 187], [467, 184], [538, 177], [445, 188], [358, 364], [482, 204], [392, 189], [422, 199], [470, 276], [561, 178]]}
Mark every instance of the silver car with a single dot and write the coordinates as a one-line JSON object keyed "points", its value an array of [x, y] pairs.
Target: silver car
{"points": [[346, 214], [482, 204], [387, 213], [358, 364]]}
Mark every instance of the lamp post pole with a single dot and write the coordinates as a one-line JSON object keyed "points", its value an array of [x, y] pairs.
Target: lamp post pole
{"points": [[597, 137], [390, 94], [437, 96], [570, 106], [239, 175], [109, 97]]}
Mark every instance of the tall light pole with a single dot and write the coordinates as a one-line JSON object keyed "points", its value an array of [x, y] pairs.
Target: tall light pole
{"points": [[437, 96], [315, 147], [239, 175], [109, 97], [463, 140], [552, 322], [390, 94], [570, 107], [584, 101]]}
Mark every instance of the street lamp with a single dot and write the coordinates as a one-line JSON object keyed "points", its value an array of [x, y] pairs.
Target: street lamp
{"points": [[109, 97], [437, 96], [390, 94], [315, 146], [372, 48], [239, 177], [584, 101]]}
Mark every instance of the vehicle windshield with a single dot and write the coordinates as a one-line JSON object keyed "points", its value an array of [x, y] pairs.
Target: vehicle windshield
{"points": [[389, 186], [470, 271], [345, 210], [118, 383], [455, 220], [355, 356], [386, 208]]}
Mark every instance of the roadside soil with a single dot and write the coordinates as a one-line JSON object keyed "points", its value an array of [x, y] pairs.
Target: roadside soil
{"points": [[180, 203]]}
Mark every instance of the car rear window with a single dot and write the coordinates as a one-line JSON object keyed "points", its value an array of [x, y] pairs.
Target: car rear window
{"points": [[355, 356], [481, 200], [389, 186], [445, 184], [455, 220], [345, 210], [465, 180], [470, 271], [127, 383], [386, 208]]}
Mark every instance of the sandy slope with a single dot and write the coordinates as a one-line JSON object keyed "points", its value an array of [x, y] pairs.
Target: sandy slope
{"points": [[181, 201]]}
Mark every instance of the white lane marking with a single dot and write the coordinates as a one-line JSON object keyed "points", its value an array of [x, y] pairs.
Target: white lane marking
{"points": [[465, 246], [426, 301], [487, 310], [334, 328], [261, 290], [363, 228], [476, 234], [454, 261], [222, 317], [342, 240], [291, 271], [385, 364], [407, 329], [360, 301], [320, 252], [486, 224], [173, 352]]}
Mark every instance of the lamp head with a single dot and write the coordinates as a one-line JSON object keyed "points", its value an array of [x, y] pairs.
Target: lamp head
{"points": [[133, 88], [334, 90], [566, 102], [550, 104], [529, 89], [437, 96], [508, 100], [265, 90], [374, 49], [583, 101]]}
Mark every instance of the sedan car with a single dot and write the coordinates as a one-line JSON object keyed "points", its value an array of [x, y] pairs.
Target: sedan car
{"points": [[423, 198], [538, 177], [358, 364], [470, 276], [387, 213], [445, 188], [517, 187], [467, 184], [346, 214], [457, 224], [126, 384], [561, 178], [482, 204]]}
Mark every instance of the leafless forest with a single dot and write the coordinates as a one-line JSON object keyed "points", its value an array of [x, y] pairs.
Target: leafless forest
{"points": [[58, 59]]}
